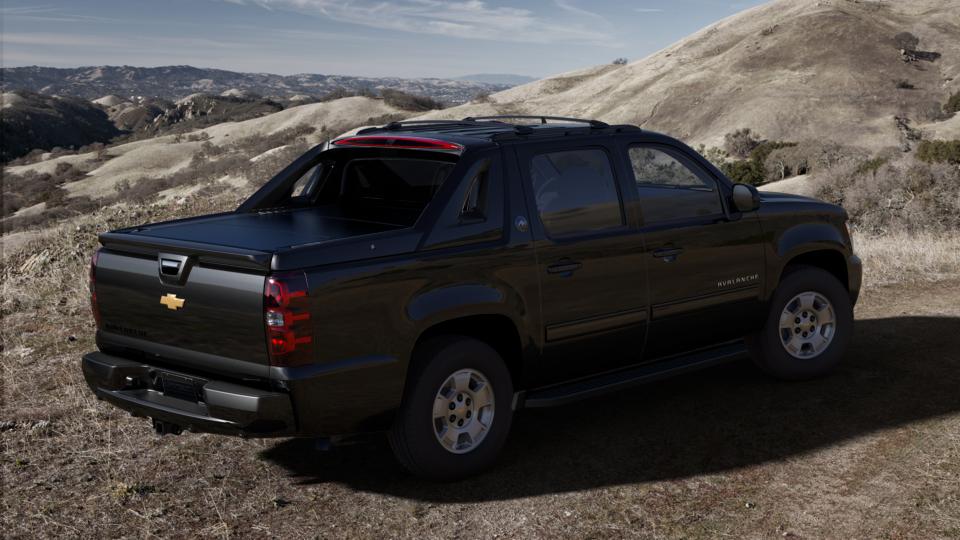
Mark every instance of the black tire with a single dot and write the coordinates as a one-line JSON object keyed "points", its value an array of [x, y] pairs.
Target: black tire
{"points": [[766, 347], [413, 436]]}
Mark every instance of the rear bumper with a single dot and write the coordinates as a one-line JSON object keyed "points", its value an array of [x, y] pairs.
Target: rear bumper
{"points": [[218, 407]]}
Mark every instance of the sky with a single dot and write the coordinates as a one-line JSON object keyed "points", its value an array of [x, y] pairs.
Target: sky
{"points": [[377, 38]]}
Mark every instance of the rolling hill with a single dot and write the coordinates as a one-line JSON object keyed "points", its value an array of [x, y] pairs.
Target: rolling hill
{"points": [[789, 70], [29, 120], [176, 82]]}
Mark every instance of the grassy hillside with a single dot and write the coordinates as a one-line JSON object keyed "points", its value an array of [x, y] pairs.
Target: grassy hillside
{"points": [[789, 69], [233, 157], [29, 120]]}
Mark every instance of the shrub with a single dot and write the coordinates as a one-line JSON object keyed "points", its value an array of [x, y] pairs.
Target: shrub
{"points": [[713, 154], [904, 84], [410, 102], [740, 143], [953, 104], [906, 41], [744, 172], [341, 92], [872, 165], [939, 151], [481, 97], [756, 169], [619, 61], [908, 196], [66, 172], [198, 137]]}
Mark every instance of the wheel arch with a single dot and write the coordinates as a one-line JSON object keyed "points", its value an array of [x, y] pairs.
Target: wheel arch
{"points": [[830, 260], [822, 245], [495, 329]]}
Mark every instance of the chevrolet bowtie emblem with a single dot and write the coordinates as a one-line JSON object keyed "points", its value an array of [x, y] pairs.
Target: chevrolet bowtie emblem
{"points": [[172, 302]]}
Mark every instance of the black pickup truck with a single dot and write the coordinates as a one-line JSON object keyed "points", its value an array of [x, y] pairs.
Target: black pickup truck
{"points": [[429, 279]]}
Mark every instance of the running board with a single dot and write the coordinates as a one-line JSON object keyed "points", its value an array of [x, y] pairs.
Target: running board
{"points": [[564, 393]]}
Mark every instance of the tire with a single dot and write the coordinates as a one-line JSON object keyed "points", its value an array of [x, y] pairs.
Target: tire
{"points": [[807, 347], [457, 445]]}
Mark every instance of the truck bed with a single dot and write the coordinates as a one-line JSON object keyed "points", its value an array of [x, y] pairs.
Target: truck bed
{"points": [[266, 231]]}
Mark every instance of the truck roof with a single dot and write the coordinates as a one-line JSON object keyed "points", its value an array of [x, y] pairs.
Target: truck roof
{"points": [[473, 131]]}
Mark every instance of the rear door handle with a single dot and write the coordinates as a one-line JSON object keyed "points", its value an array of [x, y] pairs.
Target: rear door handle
{"points": [[565, 267], [667, 254]]}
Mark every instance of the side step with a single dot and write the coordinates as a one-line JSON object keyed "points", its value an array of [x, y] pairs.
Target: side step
{"points": [[564, 393]]}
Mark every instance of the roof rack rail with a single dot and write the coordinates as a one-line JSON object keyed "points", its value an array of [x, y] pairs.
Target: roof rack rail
{"points": [[597, 124], [400, 123]]}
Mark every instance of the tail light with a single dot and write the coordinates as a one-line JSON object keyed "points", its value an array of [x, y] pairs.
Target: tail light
{"points": [[386, 141], [287, 318], [93, 287]]}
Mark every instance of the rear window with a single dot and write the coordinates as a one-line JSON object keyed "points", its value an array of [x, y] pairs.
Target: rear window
{"points": [[409, 183], [358, 184]]}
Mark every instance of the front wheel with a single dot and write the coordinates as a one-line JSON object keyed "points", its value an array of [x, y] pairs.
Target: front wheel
{"points": [[808, 327], [457, 409]]}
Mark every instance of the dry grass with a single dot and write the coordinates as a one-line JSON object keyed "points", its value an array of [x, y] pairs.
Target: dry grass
{"points": [[872, 451], [908, 257]]}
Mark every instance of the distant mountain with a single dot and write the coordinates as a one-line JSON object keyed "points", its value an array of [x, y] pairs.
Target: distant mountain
{"points": [[29, 120], [152, 116], [176, 82], [505, 79]]}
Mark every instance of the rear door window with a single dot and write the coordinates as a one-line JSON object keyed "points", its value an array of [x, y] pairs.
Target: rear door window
{"points": [[576, 192]]}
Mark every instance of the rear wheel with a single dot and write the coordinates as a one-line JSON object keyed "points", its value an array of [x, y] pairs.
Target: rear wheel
{"points": [[457, 409], [808, 327]]}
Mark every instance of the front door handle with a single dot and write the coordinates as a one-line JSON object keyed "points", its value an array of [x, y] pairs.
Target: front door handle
{"points": [[564, 267], [667, 254]]}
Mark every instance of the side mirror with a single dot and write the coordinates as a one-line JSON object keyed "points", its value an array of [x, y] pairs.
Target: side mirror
{"points": [[745, 198]]}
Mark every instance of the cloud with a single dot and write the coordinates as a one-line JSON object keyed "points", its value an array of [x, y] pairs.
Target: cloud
{"points": [[50, 14], [471, 19], [129, 43]]}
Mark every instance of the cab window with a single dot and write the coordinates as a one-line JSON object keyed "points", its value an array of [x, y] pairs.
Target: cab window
{"points": [[670, 188], [576, 192]]}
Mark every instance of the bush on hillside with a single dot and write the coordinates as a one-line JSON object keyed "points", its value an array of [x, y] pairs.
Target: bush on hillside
{"points": [[410, 102], [341, 92], [906, 41], [939, 151], [713, 154], [953, 104], [907, 196], [619, 61], [744, 171], [740, 143], [758, 168]]}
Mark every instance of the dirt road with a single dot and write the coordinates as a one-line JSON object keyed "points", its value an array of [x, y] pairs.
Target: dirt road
{"points": [[872, 451]]}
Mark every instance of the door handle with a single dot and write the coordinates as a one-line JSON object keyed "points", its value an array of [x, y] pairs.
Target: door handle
{"points": [[667, 254], [564, 267]]}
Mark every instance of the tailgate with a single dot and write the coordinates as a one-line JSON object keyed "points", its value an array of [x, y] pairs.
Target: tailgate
{"points": [[193, 313]]}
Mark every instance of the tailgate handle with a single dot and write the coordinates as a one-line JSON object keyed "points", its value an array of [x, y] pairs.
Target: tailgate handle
{"points": [[173, 269], [169, 267]]}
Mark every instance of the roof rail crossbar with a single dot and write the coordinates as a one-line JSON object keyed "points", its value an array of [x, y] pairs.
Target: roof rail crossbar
{"points": [[400, 123], [597, 124]]}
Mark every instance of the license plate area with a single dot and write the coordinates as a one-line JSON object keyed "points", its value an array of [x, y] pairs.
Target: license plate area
{"points": [[181, 387]]}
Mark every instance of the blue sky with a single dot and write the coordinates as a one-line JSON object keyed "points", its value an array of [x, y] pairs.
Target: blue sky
{"points": [[407, 38]]}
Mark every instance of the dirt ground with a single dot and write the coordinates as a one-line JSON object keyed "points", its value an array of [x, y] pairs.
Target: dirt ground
{"points": [[872, 451]]}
